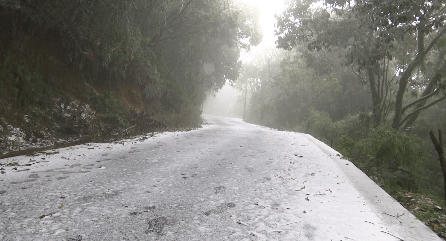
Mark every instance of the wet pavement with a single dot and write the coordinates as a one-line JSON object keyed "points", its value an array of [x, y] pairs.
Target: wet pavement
{"points": [[226, 181]]}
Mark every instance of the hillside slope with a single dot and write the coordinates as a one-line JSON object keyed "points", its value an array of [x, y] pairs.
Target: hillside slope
{"points": [[76, 70], [65, 108]]}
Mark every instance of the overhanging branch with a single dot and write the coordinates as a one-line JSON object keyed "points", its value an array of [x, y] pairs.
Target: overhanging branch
{"points": [[421, 55], [420, 109], [420, 100]]}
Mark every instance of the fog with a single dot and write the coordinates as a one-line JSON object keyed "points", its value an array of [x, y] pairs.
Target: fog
{"points": [[227, 102]]}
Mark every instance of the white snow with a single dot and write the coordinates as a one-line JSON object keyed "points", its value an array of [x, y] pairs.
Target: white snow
{"points": [[327, 196]]}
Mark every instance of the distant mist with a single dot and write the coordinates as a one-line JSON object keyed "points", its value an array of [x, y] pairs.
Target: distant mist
{"points": [[227, 102]]}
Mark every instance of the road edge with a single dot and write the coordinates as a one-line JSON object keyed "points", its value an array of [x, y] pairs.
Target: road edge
{"points": [[402, 224]]}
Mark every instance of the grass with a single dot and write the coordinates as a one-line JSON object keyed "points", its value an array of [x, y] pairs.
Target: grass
{"points": [[427, 208]]}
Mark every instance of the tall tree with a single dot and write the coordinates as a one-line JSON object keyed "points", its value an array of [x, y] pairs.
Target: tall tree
{"points": [[286, 87], [370, 31], [398, 19]]}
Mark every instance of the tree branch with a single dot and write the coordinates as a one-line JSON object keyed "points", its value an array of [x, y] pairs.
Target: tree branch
{"points": [[440, 150], [420, 100], [420, 109], [157, 38], [405, 78], [421, 55]]}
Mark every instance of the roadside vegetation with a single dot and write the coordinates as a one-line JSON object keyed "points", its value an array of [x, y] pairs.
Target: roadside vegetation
{"points": [[77, 70], [368, 79]]}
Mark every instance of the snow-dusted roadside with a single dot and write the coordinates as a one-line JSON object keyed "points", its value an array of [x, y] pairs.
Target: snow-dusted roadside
{"points": [[28, 131], [396, 218], [20, 167]]}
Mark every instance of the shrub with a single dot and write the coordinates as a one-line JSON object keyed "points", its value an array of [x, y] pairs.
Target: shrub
{"points": [[321, 125], [114, 110], [346, 146], [394, 149], [24, 83], [394, 156], [355, 127], [7, 79]]}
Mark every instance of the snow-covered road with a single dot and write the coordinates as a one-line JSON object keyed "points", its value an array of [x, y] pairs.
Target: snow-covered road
{"points": [[226, 181]]}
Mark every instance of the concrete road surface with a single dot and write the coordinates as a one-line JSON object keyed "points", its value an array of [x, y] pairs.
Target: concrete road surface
{"points": [[226, 181]]}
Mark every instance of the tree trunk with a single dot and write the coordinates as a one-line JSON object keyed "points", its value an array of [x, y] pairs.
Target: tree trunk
{"points": [[376, 108], [440, 150], [244, 105], [400, 94], [429, 89], [404, 80], [420, 41]]}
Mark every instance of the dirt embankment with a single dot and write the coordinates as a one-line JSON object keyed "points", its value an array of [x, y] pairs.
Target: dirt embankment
{"points": [[78, 113], [45, 103]]}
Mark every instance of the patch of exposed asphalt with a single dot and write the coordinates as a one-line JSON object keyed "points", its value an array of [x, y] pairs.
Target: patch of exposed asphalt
{"points": [[220, 209], [157, 225]]}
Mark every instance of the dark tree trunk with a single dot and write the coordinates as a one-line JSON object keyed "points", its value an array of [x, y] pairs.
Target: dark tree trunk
{"points": [[244, 105], [440, 150], [420, 41], [429, 89], [404, 80], [376, 108]]}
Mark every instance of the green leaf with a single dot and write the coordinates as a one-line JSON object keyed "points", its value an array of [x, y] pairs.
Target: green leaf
{"points": [[441, 42]]}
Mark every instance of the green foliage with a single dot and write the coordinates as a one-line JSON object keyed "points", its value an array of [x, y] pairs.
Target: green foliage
{"points": [[356, 126], [351, 130], [115, 111], [320, 125], [391, 148], [160, 45], [24, 84], [150, 53], [393, 156], [379, 38], [7, 79], [346, 146], [297, 90], [31, 86]]}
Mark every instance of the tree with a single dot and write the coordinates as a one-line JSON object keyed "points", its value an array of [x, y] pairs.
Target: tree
{"points": [[163, 46], [286, 87], [420, 19], [371, 32], [331, 27], [209, 34]]}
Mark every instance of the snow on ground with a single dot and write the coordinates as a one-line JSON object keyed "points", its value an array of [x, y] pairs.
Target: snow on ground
{"points": [[18, 167], [249, 179]]}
